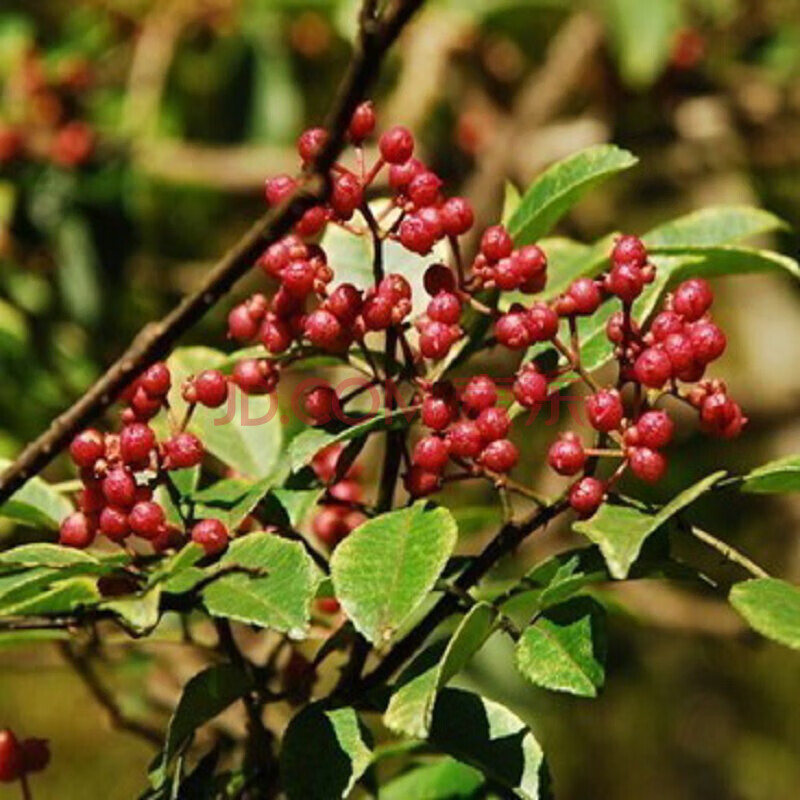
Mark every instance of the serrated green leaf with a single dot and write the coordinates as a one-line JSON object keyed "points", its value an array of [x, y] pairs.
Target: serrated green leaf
{"points": [[60, 598], [771, 607], [386, 567], [47, 555], [776, 477], [561, 186], [446, 779], [410, 708], [733, 260], [325, 751], [280, 600], [491, 738], [231, 500], [565, 648], [36, 504], [620, 531]]}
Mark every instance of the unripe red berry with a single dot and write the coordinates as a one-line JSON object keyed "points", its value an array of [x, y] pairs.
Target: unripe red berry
{"points": [[708, 341], [87, 447], [136, 442], [653, 368], [439, 278], [241, 325], [35, 754], [654, 429], [420, 482], [255, 376], [278, 188], [400, 175], [311, 143], [586, 296], [344, 302], [605, 410], [629, 250], [320, 404], [330, 525], [431, 453], [114, 523], [692, 299], [507, 275], [156, 379], [465, 439], [499, 456], [615, 328], [479, 393], [145, 405], [445, 307], [512, 330], [396, 145], [648, 465], [679, 350], [395, 287], [542, 322], [312, 222], [493, 423], [298, 278], [424, 188], [322, 329], [275, 334], [417, 235], [457, 216], [666, 323], [119, 487], [496, 243], [91, 499], [586, 495], [362, 123], [146, 519], [626, 281], [436, 339], [431, 217], [183, 451], [437, 412], [346, 195], [210, 388], [530, 387], [77, 530], [721, 416], [566, 455], [211, 535], [11, 759], [532, 261]]}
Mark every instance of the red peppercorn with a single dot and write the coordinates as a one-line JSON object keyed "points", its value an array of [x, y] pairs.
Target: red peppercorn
{"points": [[114, 523], [586, 296], [255, 376], [542, 322], [396, 145], [242, 326], [654, 429], [362, 123], [183, 451], [626, 281], [586, 495], [479, 393], [648, 465], [320, 404], [512, 330], [417, 235], [278, 188], [323, 329], [377, 312], [445, 307], [91, 499], [156, 379], [431, 453], [146, 519], [35, 754], [136, 442], [493, 423], [312, 222], [211, 388], [679, 350], [211, 535], [436, 339], [311, 143], [496, 243], [653, 368], [275, 334], [344, 302], [666, 323], [499, 456], [708, 341], [400, 175], [346, 195], [437, 412], [692, 299], [465, 439], [629, 250], [145, 405], [605, 410], [420, 482], [119, 487], [530, 387], [87, 447], [423, 190], [457, 216], [77, 530], [330, 525], [566, 455], [11, 758]]}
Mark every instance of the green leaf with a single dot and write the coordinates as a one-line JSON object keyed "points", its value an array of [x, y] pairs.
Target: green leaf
{"points": [[776, 477], [36, 504], [642, 35], [712, 227], [733, 260], [565, 649], [410, 708], [446, 779], [511, 200], [204, 696], [325, 751], [140, 613], [290, 506], [491, 738], [386, 567], [771, 607], [61, 598], [620, 531], [561, 186], [46, 555], [281, 599], [231, 500]]}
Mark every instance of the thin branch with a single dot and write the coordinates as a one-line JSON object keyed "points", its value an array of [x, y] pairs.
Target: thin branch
{"points": [[727, 552]]}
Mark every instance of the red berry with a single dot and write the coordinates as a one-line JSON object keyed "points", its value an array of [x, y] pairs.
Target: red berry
{"points": [[377, 312], [211, 388], [586, 495], [146, 519], [708, 341], [653, 368], [346, 195], [615, 328], [87, 447], [362, 123], [136, 442], [445, 307], [457, 216], [542, 322], [73, 144], [327, 605], [211, 535], [507, 274], [664, 324], [255, 376], [479, 393], [91, 499], [424, 188], [395, 287], [496, 243], [629, 250], [400, 175], [114, 523], [532, 261], [626, 281], [692, 299], [499, 456], [119, 487], [156, 380], [465, 439], [420, 482], [566, 455], [493, 423], [431, 453], [346, 491], [311, 143], [77, 530], [648, 465], [241, 324], [145, 405], [654, 429], [183, 451], [277, 189], [275, 334], [344, 302], [586, 296], [323, 329], [512, 330], [436, 339], [11, 757], [679, 350], [605, 410], [530, 387], [439, 278], [330, 525], [298, 278], [35, 754], [312, 222], [396, 145], [437, 412], [721, 416], [417, 235], [321, 403]]}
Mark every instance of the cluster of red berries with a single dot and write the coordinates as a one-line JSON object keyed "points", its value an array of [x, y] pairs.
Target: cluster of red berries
{"points": [[470, 429], [21, 758], [120, 471], [43, 121], [499, 265]]}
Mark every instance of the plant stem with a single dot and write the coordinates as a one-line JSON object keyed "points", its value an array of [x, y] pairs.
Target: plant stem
{"points": [[728, 552]]}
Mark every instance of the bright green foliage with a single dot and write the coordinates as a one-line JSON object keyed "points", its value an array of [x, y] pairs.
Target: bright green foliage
{"points": [[771, 607]]}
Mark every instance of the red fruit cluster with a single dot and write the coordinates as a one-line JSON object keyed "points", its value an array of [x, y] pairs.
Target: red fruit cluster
{"points": [[470, 429], [499, 265], [21, 758]]}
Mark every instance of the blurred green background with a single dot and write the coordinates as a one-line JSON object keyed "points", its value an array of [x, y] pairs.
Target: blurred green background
{"points": [[185, 106]]}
